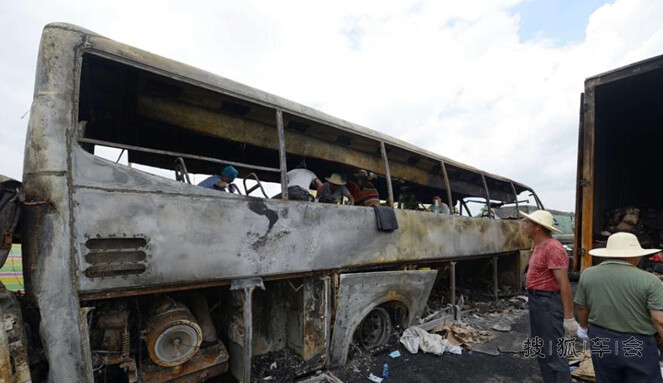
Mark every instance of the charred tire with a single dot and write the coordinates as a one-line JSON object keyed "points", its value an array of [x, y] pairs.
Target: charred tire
{"points": [[374, 331]]}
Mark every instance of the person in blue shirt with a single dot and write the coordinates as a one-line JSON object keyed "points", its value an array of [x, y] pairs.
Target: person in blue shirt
{"points": [[222, 182]]}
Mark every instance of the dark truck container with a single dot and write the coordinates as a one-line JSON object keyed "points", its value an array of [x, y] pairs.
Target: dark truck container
{"points": [[619, 155]]}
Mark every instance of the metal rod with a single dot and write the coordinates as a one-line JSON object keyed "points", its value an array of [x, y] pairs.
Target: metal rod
{"points": [[176, 154], [452, 276], [282, 159], [485, 185], [519, 277], [247, 285], [248, 333], [467, 209], [495, 295], [538, 201], [390, 190], [447, 185], [515, 193], [120, 156]]}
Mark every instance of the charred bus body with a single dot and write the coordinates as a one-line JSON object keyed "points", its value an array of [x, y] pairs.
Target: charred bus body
{"points": [[153, 279], [619, 145]]}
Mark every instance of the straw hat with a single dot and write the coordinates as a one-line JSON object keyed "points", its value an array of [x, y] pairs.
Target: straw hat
{"points": [[336, 179], [622, 245], [543, 218]]}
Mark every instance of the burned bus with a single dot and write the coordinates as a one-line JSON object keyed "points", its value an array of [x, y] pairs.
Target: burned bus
{"points": [[134, 273]]}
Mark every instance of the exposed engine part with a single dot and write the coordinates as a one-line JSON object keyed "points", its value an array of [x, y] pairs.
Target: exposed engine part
{"points": [[113, 322], [172, 334], [112, 325], [14, 365], [210, 361], [200, 310]]}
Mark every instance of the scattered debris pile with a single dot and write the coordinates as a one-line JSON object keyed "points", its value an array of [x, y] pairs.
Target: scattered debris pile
{"points": [[278, 366], [500, 306], [472, 324], [415, 338], [483, 292], [582, 367]]}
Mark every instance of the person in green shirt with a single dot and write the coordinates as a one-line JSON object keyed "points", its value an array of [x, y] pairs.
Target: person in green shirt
{"points": [[620, 310]]}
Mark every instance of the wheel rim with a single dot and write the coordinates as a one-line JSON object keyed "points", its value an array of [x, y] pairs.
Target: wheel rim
{"points": [[375, 329]]}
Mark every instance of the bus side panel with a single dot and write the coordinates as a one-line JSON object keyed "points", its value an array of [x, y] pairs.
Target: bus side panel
{"points": [[182, 233]]}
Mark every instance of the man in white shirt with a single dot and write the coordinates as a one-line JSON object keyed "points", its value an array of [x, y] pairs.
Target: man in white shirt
{"points": [[300, 181]]}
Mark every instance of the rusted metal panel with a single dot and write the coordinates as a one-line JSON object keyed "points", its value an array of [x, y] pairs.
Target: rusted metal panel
{"points": [[577, 242], [361, 292], [626, 71], [311, 327], [587, 222]]}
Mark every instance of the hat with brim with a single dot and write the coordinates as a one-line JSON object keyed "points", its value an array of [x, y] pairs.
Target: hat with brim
{"points": [[361, 173], [542, 218], [622, 245], [336, 179]]}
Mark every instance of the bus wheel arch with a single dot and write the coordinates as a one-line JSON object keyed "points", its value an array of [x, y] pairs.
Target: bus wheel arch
{"points": [[359, 294]]}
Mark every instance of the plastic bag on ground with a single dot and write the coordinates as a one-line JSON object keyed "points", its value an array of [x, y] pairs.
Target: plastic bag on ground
{"points": [[415, 339]]}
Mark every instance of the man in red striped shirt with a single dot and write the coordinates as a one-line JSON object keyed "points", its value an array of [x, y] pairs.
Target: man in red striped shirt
{"points": [[550, 298], [363, 191]]}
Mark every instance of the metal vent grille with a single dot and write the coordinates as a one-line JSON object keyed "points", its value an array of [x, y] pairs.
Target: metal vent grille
{"points": [[114, 257]]}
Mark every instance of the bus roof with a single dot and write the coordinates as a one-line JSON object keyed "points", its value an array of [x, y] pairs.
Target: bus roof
{"points": [[197, 77]]}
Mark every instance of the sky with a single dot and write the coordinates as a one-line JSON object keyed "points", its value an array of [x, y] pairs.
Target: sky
{"points": [[492, 83]]}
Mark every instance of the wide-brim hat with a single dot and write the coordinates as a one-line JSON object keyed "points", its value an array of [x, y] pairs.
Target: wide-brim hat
{"points": [[543, 218], [336, 179], [622, 245], [361, 173]]}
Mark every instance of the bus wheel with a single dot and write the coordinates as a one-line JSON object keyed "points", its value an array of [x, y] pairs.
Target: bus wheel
{"points": [[374, 330]]}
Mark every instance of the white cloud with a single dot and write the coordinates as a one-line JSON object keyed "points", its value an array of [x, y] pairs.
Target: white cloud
{"points": [[453, 77]]}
